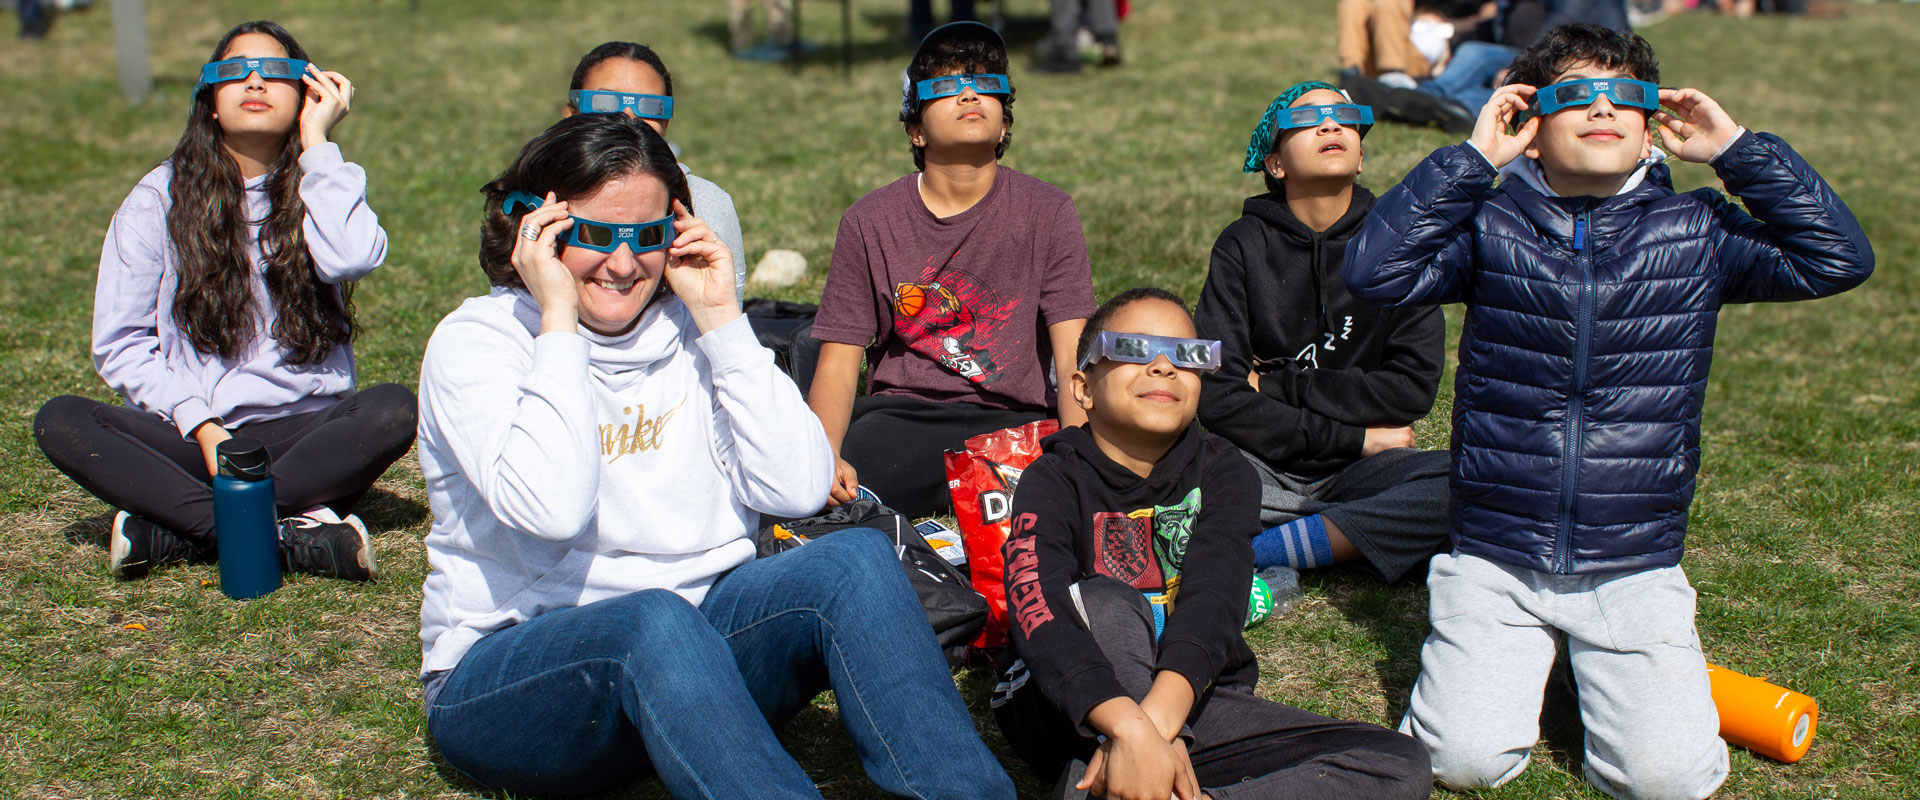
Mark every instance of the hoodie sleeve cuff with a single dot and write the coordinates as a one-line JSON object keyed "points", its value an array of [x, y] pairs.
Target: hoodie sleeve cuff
{"points": [[1189, 660], [1483, 156], [314, 159], [1087, 689], [190, 414]]}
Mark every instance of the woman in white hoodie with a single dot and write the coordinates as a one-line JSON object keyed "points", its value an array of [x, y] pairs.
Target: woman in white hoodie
{"points": [[599, 436]]}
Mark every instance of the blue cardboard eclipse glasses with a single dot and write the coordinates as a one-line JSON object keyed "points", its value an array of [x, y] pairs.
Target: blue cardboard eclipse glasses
{"points": [[1619, 91], [237, 69], [605, 237], [644, 106], [1351, 116], [950, 85], [1200, 355]]}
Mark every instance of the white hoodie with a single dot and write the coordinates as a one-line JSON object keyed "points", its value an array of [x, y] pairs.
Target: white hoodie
{"points": [[565, 468]]}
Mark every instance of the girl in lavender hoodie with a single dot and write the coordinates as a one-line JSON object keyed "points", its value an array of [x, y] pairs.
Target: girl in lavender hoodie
{"points": [[224, 308]]}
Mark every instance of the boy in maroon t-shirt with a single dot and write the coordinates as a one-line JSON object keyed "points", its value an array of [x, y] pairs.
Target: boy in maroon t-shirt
{"points": [[965, 286]]}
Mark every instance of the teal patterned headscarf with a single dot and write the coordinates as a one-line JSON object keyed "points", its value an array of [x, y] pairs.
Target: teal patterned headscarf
{"points": [[1262, 142]]}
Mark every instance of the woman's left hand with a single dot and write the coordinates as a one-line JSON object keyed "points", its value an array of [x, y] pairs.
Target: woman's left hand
{"points": [[700, 271], [329, 98]]}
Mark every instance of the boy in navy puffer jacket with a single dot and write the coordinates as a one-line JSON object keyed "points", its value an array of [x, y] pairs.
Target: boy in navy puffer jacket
{"points": [[1592, 291]]}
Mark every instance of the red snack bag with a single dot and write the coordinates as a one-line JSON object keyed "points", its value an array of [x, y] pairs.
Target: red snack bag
{"points": [[981, 481]]}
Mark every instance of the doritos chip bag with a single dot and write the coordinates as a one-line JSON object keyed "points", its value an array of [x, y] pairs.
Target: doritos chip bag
{"points": [[981, 481]]}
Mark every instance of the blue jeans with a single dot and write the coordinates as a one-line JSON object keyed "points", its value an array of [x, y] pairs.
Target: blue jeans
{"points": [[580, 700], [1468, 78]]}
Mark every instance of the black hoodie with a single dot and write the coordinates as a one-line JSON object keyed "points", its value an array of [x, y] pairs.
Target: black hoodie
{"points": [[1077, 514], [1331, 364]]}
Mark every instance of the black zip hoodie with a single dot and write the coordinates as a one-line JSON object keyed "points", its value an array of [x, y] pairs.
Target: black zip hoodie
{"points": [[1184, 532], [1331, 364]]}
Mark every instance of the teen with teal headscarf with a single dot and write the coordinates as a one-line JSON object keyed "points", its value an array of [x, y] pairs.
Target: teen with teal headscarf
{"points": [[1319, 388]]}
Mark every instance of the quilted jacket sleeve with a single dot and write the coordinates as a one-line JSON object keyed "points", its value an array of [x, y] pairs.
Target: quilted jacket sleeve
{"points": [[1414, 247], [1799, 241]]}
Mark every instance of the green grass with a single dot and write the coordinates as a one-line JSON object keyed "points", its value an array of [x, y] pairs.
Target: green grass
{"points": [[1802, 541]]}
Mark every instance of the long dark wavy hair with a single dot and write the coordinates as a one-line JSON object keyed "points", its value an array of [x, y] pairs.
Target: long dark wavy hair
{"points": [[214, 302], [573, 158]]}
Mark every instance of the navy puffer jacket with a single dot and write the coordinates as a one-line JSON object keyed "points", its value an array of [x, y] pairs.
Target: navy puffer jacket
{"points": [[1588, 334]]}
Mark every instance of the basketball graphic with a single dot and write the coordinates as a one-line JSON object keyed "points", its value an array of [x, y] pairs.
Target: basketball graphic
{"points": [[908, 299]]}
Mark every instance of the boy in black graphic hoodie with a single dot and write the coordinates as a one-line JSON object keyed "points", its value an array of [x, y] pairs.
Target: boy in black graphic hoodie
{"points": [[1317, 387], [1128, 572]]}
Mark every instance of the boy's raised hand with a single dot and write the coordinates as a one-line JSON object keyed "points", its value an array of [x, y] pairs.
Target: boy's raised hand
{"points": [[1697, 128], [1490, 134]]}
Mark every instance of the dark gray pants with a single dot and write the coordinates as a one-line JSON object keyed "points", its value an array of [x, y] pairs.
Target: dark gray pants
{"points": [[1391, 505], [1242, 747]]}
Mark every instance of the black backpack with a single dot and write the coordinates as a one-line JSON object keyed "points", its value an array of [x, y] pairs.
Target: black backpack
{"points": [[953, 608]]}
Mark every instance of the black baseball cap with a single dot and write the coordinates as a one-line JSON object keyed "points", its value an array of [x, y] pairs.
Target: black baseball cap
{"points": [[951, 31]]}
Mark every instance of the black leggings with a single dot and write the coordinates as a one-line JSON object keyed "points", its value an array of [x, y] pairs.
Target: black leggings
{"points": [[137, 462]]}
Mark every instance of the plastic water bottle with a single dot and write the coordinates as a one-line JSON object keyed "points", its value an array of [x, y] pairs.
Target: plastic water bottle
{"points": [[244, 521], [1283, 586]]}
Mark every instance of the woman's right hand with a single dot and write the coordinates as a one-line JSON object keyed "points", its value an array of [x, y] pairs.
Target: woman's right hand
{"points": [[537, 260], [210, 435]]}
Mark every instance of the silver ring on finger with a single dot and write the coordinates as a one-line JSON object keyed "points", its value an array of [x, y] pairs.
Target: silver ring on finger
{"points": [[530, 232]]}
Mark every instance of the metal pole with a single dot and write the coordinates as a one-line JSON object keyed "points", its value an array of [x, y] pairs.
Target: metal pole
{"points": [[130, 49]]}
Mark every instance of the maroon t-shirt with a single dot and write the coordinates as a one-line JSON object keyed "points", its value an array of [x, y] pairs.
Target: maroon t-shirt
{"points": [[958, 308]]}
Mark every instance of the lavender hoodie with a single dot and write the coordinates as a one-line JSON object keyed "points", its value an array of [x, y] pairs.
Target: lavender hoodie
{"points": [[143, 356]]}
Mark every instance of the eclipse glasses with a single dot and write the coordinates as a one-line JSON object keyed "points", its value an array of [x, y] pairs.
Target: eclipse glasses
{"points": [[950, 85], [237, 69], [644, 106], [605, 237], [1619, 91], [1200, 355]]}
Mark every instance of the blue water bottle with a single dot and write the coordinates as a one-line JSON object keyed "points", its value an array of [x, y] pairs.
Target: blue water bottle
{"points": [[244, 519]]}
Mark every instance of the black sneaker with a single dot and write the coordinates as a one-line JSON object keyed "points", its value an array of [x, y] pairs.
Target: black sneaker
{"points": [[1068, 785], [137, 545], [327, 549]]}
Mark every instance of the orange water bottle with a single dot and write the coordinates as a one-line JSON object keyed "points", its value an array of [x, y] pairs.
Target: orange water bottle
{"points": [[1757, 715]]}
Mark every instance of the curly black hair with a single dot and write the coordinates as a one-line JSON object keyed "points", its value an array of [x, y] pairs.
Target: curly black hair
{"points": [[960, 56], [1544, 61], [1103, 315]]}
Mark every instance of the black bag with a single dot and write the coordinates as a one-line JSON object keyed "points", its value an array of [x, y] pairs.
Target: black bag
{"points": [[954, 610], [786, 329]]}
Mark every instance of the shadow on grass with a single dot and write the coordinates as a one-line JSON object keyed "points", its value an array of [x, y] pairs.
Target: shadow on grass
{"points": [[385, 511], [89, 531], [820, 25]]}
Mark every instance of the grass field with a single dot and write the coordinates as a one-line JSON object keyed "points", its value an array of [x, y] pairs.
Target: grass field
{"points": [[1803, 543]]}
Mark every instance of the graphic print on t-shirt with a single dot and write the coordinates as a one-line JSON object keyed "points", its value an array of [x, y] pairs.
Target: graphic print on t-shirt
{"points": [[1146, 549], [953, 317]]}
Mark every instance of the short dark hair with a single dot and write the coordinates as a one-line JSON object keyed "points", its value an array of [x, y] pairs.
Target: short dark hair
{"points": [[1551, 54], [572, 159], [966, 56], [1103, 315], [626, 50]]}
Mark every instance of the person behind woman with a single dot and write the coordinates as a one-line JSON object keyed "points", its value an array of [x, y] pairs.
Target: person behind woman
{"points": [[599, 436], [224, 308], [631, 79]]}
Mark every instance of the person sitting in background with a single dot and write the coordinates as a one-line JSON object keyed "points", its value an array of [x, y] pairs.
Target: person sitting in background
{"points": [[224, 308], [964, 285], [630, 79], [1318, 388]]}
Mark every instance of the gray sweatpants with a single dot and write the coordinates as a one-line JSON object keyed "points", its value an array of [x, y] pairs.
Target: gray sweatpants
{"points": [[1391, 505], [1652, 731]]}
